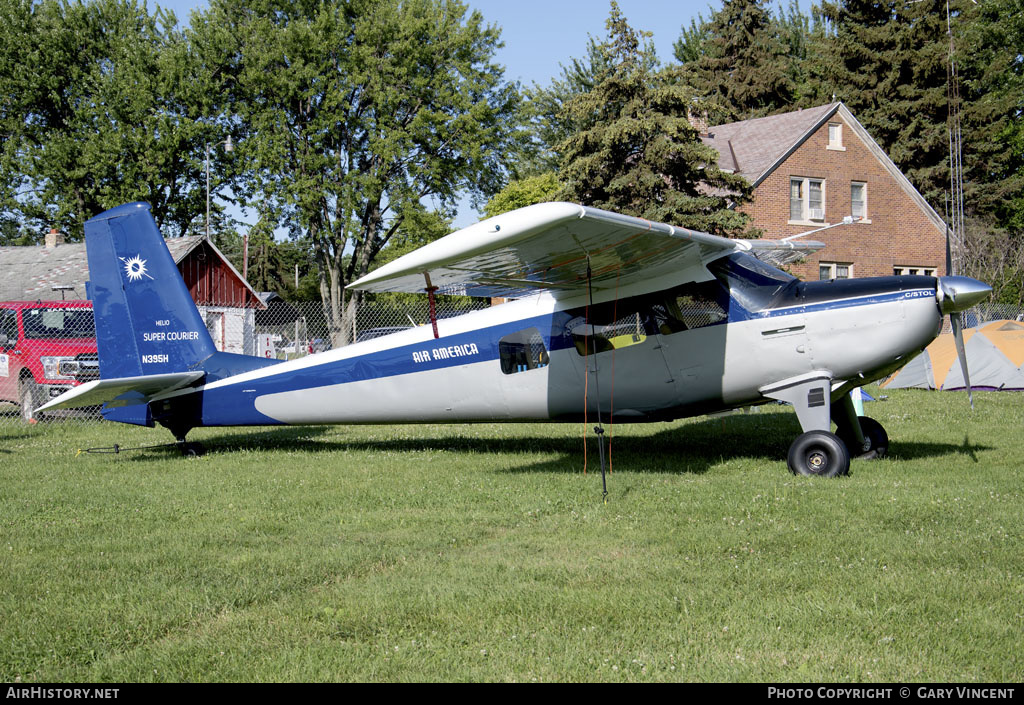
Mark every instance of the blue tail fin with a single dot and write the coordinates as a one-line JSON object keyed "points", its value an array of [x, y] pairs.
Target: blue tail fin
{"points": [[146, 321]]}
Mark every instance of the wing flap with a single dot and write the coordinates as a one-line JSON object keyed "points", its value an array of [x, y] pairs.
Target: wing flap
{"points": [[121, 391]]}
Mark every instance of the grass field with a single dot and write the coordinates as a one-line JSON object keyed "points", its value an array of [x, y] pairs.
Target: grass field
{"points": [[483, 553]]}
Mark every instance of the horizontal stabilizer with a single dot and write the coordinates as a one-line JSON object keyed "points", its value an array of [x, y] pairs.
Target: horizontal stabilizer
{"points": [[122, 391]]}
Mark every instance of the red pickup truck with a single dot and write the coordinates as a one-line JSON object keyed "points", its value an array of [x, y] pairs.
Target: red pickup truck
{"points": [[46, 347]]}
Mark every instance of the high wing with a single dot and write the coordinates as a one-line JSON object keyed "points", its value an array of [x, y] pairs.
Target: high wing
{"points": [[550, 246]]}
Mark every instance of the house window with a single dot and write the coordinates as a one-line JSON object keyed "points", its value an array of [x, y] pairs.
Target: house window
{"points": [[806, 199], [835, 136], [859, 199], [913, 271], [835, 270]]}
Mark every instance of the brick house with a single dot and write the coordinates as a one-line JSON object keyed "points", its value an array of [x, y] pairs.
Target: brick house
{"points": [[810, 169]]}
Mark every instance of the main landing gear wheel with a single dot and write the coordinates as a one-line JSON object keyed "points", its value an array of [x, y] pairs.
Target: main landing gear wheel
{"points": [[876, 440], [819, 454]]}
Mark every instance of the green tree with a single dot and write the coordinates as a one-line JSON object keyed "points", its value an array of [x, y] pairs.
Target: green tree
{"points": [[743, 65], [989, 39], [890, 63], [639, 154], [100, 105], [691, 44], [358, 112], [524, 192]]}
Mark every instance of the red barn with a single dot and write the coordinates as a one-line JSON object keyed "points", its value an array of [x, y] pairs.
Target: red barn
{"points": [[57, 270]]}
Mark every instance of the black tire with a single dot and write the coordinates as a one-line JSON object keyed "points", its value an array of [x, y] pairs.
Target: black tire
{"points": [[876, 440], [192, 450], [818, 454], [30, 399]]}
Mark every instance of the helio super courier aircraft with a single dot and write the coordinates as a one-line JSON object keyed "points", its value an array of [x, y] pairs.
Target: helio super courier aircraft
{"points": [[614, 318]]}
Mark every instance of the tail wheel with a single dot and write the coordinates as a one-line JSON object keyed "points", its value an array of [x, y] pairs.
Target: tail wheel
{"points": [[192, 450], [818, 454], [876, 440], [29, 394]]}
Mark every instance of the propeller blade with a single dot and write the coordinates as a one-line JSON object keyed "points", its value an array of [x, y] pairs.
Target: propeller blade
{"points": [[949, 254], [958, 338]]}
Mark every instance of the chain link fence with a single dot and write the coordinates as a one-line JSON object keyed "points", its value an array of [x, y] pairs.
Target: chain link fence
{"points": [[48, 347]]}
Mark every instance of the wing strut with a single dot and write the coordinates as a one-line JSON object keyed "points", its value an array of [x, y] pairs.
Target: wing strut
{"points": [[599, 429], [433, 309]]}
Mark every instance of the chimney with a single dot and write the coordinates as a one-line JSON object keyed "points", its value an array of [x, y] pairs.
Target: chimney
{"points": [[700, 124], [53, 238]]}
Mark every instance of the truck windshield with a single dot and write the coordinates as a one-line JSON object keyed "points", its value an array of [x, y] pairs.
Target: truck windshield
{"points": [[753, 283], [49, 323]]}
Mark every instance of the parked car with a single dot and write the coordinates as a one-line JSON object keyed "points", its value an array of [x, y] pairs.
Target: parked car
{"points": [[46, 347]]}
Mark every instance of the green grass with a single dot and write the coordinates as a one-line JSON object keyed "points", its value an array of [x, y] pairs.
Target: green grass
{"points": [[483, 553]]}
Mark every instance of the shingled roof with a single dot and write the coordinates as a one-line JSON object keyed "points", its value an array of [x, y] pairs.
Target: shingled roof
{"points": [[755, 148], [31, 273], [752, 148]]}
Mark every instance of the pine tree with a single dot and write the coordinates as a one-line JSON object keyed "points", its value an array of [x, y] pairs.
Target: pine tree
{"points": [[888, 62], [639, 154], [744, 66]]}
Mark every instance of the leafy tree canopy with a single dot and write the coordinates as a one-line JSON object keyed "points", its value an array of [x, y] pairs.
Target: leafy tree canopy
{"points": [[739, 60], [100, 106], [356, 113], [524, 192]]}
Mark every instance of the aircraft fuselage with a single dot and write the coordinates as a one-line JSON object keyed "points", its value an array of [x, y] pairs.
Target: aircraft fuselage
{"points": [[651, 356]]}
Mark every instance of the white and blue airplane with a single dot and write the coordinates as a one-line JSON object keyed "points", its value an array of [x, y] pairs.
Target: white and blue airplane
{"points": [[660, 321]]}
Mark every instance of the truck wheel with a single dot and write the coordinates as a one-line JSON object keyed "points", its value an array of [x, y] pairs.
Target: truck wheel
{"points": [[29, 395]]}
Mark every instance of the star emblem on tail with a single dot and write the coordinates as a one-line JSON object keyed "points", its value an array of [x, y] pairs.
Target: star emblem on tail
{"points": [[135, 268]]}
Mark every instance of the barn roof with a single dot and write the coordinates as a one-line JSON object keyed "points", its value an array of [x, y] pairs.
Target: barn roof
{"points": [[32, 273]]}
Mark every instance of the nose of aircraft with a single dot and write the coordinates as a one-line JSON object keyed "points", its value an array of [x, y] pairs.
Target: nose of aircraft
{"points": [[960, 293]]}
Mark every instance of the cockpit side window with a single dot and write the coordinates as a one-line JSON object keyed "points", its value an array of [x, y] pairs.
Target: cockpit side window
{"points": [[616, 325], [693, 305]]}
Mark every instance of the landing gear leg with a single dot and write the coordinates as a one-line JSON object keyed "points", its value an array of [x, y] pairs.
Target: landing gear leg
{"points": [[864, 437], [817, 451]]}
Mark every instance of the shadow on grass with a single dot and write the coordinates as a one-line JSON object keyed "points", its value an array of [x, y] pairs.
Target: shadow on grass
{"points": [[914, 451], [687, 448]]}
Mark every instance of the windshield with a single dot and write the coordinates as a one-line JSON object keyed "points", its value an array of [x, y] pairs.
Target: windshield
{"points": [[754, 284], [49, 323]]}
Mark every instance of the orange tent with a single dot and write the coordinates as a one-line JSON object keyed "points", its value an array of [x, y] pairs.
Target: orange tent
{"points": [[995, 353]]}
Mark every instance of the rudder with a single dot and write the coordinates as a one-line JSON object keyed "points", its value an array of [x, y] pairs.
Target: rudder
{"points": [[146, 321]]}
